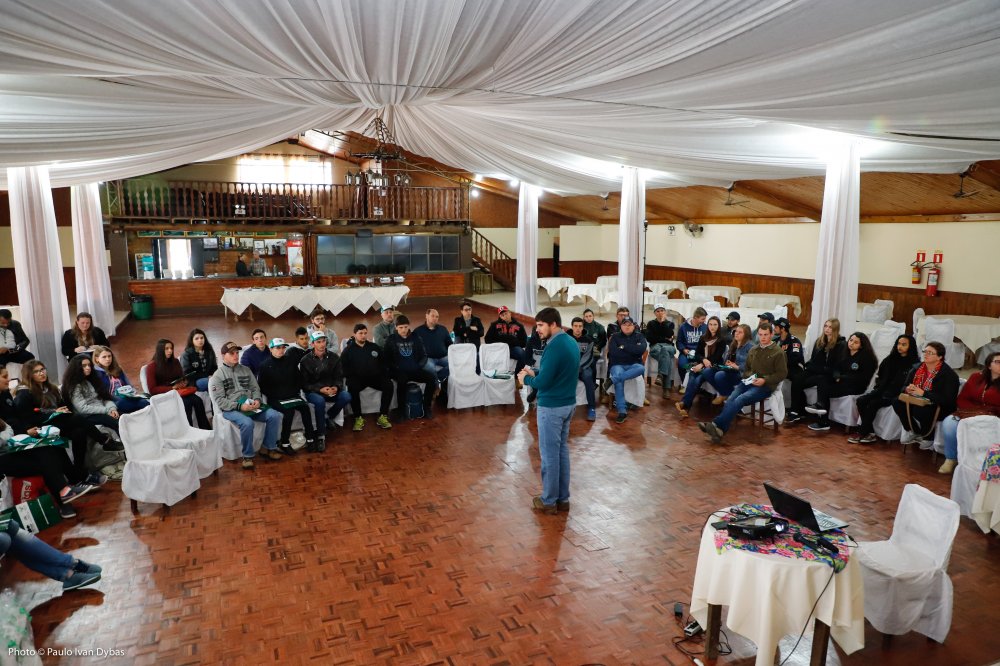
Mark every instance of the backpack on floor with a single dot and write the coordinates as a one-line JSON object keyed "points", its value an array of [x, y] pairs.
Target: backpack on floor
{"points": [[414, 402]]}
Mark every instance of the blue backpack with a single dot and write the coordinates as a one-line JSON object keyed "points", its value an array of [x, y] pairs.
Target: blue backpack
{"points": [[414, 401]]}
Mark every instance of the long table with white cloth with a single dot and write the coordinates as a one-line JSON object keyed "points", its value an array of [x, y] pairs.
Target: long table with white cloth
{"points": [[769, 301], [972, 330], [276, 300], [600, 294], [708, 292]]}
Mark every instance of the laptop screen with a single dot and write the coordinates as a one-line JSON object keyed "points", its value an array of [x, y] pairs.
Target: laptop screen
{"points": [[791, 506]]}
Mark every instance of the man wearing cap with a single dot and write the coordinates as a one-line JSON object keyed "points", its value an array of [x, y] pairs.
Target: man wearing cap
{"points": [[764, 318], [615, 326], [627, 351], [732, 323], [386, 327], [511, 333], [365, 367], [795, 360], [323, 382], [587, 363], [13, 341], [660, 336], [407, 359], [468, 328], [234, 389], [688, 337], [318, 323], [281, 383]]}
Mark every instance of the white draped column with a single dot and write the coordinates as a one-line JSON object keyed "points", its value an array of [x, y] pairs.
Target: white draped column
{"points": [[835, 290], [631, 242], [93, 283], [41, 291], [526, 283]]}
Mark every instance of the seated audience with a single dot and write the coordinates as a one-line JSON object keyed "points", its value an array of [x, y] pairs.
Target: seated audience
{"points": [[615, 326], [39, 556], [234, 389], [436, 341], [660, 336], [323, 383], [386, 327], [852, 374], [593, 330], [257, 352], [87, 395], [468, 328], [82, 337], [709, 353], [301, 346], [318, 323], [766, 367], [510, 332], [825, 354], [979, 396], [124, 395], [791, 345], [281, 382], [727, 375], [365, 367], [198, 359], [13, 342], [732, 322], [767, 318], [406, 358], [688, 337], [587, 361], [889, 382], [935, 382], [166, 374], [627, 351]]}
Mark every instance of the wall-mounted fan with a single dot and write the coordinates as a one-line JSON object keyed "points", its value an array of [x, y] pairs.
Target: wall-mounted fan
{"points": [[693, 229]]}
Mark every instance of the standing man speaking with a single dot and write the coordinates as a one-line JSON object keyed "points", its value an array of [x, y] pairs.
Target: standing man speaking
{"points": [[555, 383]]}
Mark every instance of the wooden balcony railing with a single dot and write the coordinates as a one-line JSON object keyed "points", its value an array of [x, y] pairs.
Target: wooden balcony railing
{"points": [[284, 201], [499, 263]]}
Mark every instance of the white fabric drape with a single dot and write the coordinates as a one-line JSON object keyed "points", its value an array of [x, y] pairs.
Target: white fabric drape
{"points": [[41, 291], [835, 290], [631, 242], [707, 91], [526, 287], [93, 282]]}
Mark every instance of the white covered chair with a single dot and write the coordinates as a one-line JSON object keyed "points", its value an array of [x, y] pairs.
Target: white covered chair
{"points": [[976, 435], [178, 434], [495, 357], [887, 304], [918, 314], [843, 410], [875, 314], [142, 378], [635, 390], [943, 331], [886, 425], [228, 435], [465, 387], [883, 341], [153, 473], [907, 587], [713, 308]]}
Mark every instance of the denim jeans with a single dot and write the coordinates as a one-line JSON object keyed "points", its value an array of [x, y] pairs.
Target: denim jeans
{"points": [[34, 553], [619, 375], [553, 448], [201, 384], [518, 354], [587, 377], [949, 433], [725, 381], [741, 396], [244, 421], [695, 380], [438, 367], [319, 403], [664, 353]]}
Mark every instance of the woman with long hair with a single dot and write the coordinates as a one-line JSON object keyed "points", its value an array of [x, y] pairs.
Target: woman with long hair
{"points": [[87, 395], [166, 374], [980, 396], [199, 359], [52, 463], [937, 385], [114, 378], [708, 353], [852, 374], [888, 384], [82, 337], [38, 402], [730, 371], [827, 351]]}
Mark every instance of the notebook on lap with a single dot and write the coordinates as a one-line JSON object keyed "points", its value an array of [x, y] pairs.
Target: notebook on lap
{"points": [[801, 511]]}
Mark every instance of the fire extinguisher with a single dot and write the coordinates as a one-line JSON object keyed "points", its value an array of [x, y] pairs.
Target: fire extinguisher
{"points": [[933, 276], [917, 265]]}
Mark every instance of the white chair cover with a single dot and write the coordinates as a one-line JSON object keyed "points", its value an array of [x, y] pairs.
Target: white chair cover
{"points": [[889, 305], [371, 401], [875, 314], [918, 314], [887, 425], [943, 331], [228, 435], [713, 309], [635, 390], [465, 387], [883, 340], [907, 587], [843, 410], [177, 433], [496, 357], [976, 435], [152, 473], [898, 326], [142, 378], [985, 351]]}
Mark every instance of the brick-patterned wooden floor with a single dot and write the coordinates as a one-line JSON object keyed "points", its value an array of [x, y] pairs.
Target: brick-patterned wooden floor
{"points": [[418, 545]]}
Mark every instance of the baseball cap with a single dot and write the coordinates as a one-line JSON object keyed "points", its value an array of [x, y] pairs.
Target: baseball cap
{"points": [[502, 309], [628, 320], [387, 308], [278, 342], [783, 323], [229, 347], [659, 306], [316, 335], [733, 315], [766, 315]]}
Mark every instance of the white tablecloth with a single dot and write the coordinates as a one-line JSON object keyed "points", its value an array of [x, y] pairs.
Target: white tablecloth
{"points": [[610, 281], [665, 286], [707, 292], [685, 306], [770, 596], [602, 295], [276, 300], [972, 330], [553, 285], [768, 301], [986, 507]]}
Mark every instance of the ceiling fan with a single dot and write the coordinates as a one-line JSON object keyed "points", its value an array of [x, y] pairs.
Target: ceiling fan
{"points": [[962, 194], [605, 195], [729, 197]]}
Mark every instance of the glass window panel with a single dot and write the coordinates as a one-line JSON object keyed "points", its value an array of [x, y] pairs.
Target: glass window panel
{"points": [[363, 245], [343, 244], [382, 244], [400, 245], [343, 261], [436, 243], [418, 262], [450, 244], [383, 259], [418, 244], [326, 264], [401, 262], [450, 262], [435, 262]]}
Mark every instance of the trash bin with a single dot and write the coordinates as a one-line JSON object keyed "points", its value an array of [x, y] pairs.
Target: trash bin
{"points": [[142, 306]]}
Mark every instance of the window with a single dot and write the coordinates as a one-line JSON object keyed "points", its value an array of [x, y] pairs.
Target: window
{"points": [[179, 254], [307, 169], [339, 254]]}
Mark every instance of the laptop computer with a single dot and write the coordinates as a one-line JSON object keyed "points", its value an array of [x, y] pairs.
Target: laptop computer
{"points": [[801, 511]]}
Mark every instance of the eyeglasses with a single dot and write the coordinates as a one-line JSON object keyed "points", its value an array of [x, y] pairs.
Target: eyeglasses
{"points": [[931, 352], [39, 371]]}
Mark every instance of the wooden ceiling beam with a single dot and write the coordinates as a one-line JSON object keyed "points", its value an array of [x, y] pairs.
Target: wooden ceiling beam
{"points": [[752, 220], [911, 219], [985, 175], [754, 192], [664, 214]]}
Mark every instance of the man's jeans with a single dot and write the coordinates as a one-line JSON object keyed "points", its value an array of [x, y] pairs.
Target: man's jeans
{"points": [[438, 367], [619, 375], [664, 353], [553, 448], [34, 553], [245, 420], [949, 433], [320, 406], [741, 396], [587, 377]]}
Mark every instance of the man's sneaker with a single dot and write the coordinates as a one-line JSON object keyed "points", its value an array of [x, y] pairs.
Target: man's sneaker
{"points": [[96, 479], [948, 466], [85, 567], [79, 579], [645, 402], [270, 454], [66, 511], [247, 463], [321, 444], [591, 414], [75, 492], [113, 445], [286, 449], [714, 432], [792, 417], [631, 406], [383, 422], [658, 381], [718, 400], [550, 509], [311, 445], [870, 438], [562, 506], [816, 409], [621, 417], [820, 426], [681, 409], [359, 423]]}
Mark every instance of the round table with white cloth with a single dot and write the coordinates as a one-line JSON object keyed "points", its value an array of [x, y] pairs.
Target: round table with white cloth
{"points": [[276, 300], [610, 281], [553, 285], [684, 306], [665, 286], [601, 295], [972, 330], [707, 292], [768, 301]]}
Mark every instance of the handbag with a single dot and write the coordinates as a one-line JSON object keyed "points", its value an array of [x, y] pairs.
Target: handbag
{"points": [[919, 401]]}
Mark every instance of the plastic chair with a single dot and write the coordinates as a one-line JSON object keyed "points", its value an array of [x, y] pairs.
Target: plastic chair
{"points": [[976, 435], [153, 473], [465, 387], [495, 357], [907, 587], [178, 434]]}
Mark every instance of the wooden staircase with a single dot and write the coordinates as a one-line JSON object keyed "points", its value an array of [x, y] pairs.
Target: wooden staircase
{"points": [[488, 257]]}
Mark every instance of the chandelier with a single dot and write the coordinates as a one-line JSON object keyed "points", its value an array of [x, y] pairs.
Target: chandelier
{"points": [[385, 150]]}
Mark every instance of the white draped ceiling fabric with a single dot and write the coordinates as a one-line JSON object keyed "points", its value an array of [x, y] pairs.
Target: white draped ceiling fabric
{"points": [[559, 93], [41, 291], [93, 282], [835, 290], [526, 282], [631, 242]]}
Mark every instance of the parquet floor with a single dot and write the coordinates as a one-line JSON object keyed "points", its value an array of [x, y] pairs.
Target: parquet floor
{"points": [[418, 545]]}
